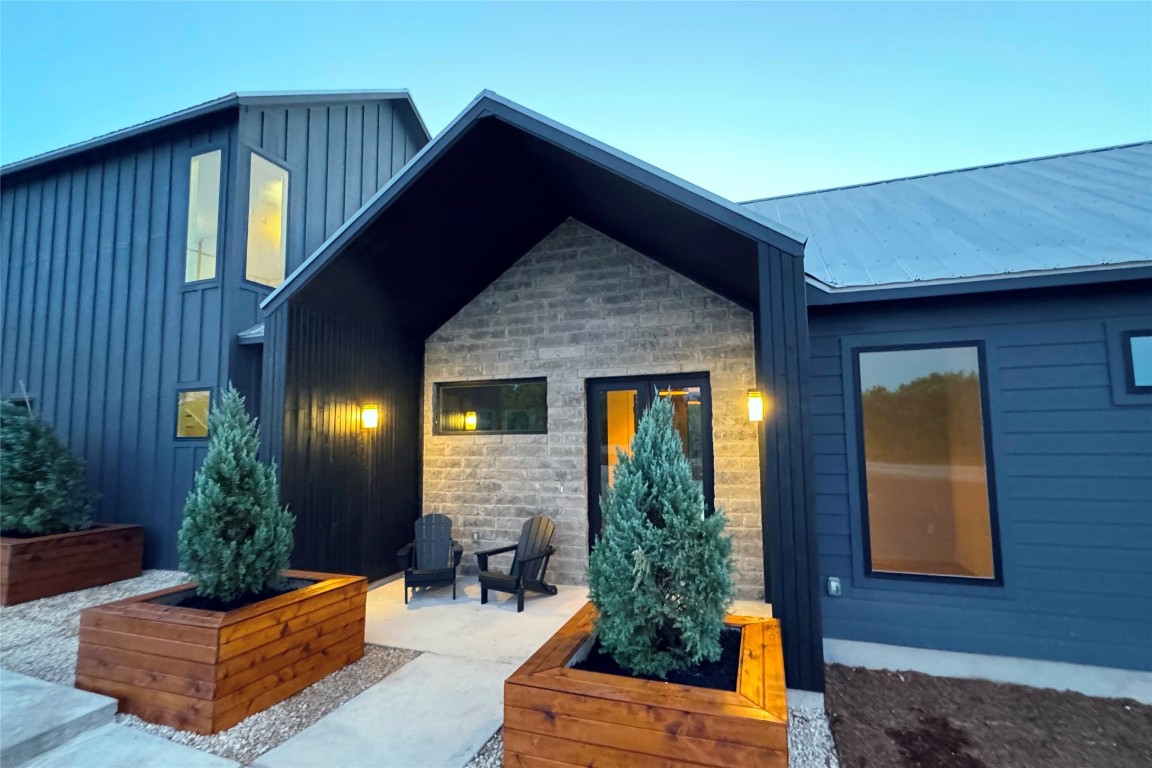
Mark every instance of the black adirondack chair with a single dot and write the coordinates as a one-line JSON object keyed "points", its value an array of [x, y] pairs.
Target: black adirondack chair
{"points": [[433, 557], [529, 563]]}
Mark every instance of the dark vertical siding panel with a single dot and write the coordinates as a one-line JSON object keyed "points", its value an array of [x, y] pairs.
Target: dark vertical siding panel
{"points": [[69, 303], [297, 156], [105, 255], [59, 265], [369, 174], [334, 200], [786, 482], [347, 486], [316, 174], [9, 265], [42, 310], [28, 260], [274, 136], [115, 386], [353, 158], [386, 125], [399, 142]]}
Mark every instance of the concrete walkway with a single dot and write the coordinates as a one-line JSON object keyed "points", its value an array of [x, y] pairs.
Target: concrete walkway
{"points": [[441, 708]]}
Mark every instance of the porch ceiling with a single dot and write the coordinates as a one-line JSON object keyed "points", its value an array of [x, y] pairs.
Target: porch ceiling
{"points": [[489, 188]]}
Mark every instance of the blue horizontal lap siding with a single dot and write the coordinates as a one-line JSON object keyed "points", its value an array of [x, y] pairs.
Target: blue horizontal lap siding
{"points": [[99, 327], [1073, 481]]}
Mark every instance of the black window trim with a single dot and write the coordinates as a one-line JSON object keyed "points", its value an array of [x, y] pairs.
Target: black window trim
{"points": [[1129, 364], [221, 214], [989, 464], [176, 412], [437, 386]]}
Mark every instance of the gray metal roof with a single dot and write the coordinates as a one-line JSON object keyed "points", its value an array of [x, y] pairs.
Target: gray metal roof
{"points": [[250, 98], [1080, 211]]}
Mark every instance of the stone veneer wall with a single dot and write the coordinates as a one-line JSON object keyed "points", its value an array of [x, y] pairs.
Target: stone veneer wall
{"points": [[579, 305]]}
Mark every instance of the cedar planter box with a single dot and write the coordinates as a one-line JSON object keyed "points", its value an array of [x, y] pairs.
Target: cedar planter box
{"points": [[556, 715], [42, 566], [205, 671]]}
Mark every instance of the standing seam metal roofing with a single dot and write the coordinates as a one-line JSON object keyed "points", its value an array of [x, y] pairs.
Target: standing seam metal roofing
{"points": [[1083, 210]]}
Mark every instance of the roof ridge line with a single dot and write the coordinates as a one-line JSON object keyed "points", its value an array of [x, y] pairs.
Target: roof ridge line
{"points": [[948, 172]]}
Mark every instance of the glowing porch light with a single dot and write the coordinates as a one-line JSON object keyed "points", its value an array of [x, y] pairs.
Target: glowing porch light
{"points": [[755, 405], [370, 417]]}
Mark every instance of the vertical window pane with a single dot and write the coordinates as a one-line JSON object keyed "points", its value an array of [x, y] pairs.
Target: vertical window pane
{"points": [[203, 216], [267, 222], [1140, 355], [192, 413], [925, 472], [618, 407]]}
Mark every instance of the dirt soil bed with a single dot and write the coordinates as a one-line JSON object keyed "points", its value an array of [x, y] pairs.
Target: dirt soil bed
{"points": [[910, 720]]}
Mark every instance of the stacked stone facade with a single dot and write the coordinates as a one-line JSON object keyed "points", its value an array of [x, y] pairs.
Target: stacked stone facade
{"points": [[580, 305]]}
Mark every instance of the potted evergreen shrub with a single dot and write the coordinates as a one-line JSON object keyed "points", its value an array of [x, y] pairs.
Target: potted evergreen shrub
{"points": [[248, 632], [653, 669], [48, 542]]}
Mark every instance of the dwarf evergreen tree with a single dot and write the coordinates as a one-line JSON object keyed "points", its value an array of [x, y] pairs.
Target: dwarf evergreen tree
{"points": [[660, 573], [236, 538], [42, 485]]}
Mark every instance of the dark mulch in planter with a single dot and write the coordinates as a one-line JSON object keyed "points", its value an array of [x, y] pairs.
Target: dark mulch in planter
{"points": [[189, 599], [910, 720], [720, 674]]}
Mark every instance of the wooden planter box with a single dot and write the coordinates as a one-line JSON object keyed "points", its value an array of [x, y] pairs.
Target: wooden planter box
{"points": [[555, 715], [64, 562], [205, 671]]}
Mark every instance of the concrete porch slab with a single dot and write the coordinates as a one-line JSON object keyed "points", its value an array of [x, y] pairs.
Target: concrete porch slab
{"points": [[435, 711], [433, 622], [120, 746]]}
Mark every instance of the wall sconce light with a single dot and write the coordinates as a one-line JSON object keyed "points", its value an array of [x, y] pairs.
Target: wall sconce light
{"points": [[369, 417], [755, 405], [470, 421]]}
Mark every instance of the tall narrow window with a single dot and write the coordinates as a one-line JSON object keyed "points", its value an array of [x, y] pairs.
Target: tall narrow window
{"points": [[1138, 361], [203, 216], [267, 222], [928, 510]]}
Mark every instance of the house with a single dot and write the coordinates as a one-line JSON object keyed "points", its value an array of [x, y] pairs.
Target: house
{"points": [[954, 451]]}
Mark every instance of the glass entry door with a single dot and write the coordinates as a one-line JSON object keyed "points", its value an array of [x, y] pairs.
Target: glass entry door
{"points": [[614, 410]]}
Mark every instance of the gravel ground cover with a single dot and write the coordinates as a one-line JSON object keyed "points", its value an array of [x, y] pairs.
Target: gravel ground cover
{"points": [[39, 639], [909, 720], [250, 738], [809, 743]]}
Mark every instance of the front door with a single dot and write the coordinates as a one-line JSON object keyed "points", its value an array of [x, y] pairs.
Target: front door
{"points": [[614, 410]]}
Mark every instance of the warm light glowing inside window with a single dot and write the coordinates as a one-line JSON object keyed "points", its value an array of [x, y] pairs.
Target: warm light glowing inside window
{"points": [[203, 216], [470, 421], [370, 417], [267, 223]]}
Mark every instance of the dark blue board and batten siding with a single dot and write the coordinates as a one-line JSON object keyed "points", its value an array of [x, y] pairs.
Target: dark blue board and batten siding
{"points": [[1073, 476], [98, 324]]}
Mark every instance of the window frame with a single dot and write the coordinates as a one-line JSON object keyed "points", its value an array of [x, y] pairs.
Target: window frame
{"points": [[438, 385], [248, 150], [185, 178], [176, 412], [861, 472], [1121, 371]]}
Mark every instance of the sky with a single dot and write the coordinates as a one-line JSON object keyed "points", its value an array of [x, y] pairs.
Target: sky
{"points": [[747, 100]]}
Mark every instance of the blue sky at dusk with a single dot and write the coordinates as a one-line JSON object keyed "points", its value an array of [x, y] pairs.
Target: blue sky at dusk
{"points": [[747, 100]]}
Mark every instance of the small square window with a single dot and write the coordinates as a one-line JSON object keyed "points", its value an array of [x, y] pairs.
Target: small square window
{"points": [[1137, 350], [192, 413]]}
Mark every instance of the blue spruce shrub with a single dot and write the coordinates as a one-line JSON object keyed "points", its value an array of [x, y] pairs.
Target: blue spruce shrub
{"points": [[236, 538], [660, 573], [42, 485]]}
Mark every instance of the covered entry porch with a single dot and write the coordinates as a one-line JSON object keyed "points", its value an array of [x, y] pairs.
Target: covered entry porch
{"points": [[357, 324]]}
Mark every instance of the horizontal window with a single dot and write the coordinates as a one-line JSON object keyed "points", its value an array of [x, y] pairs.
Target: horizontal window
{"points": [[267, 223], [515, 406], [1137, 351], [192, 413], [928, 508], [203, 216]]}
